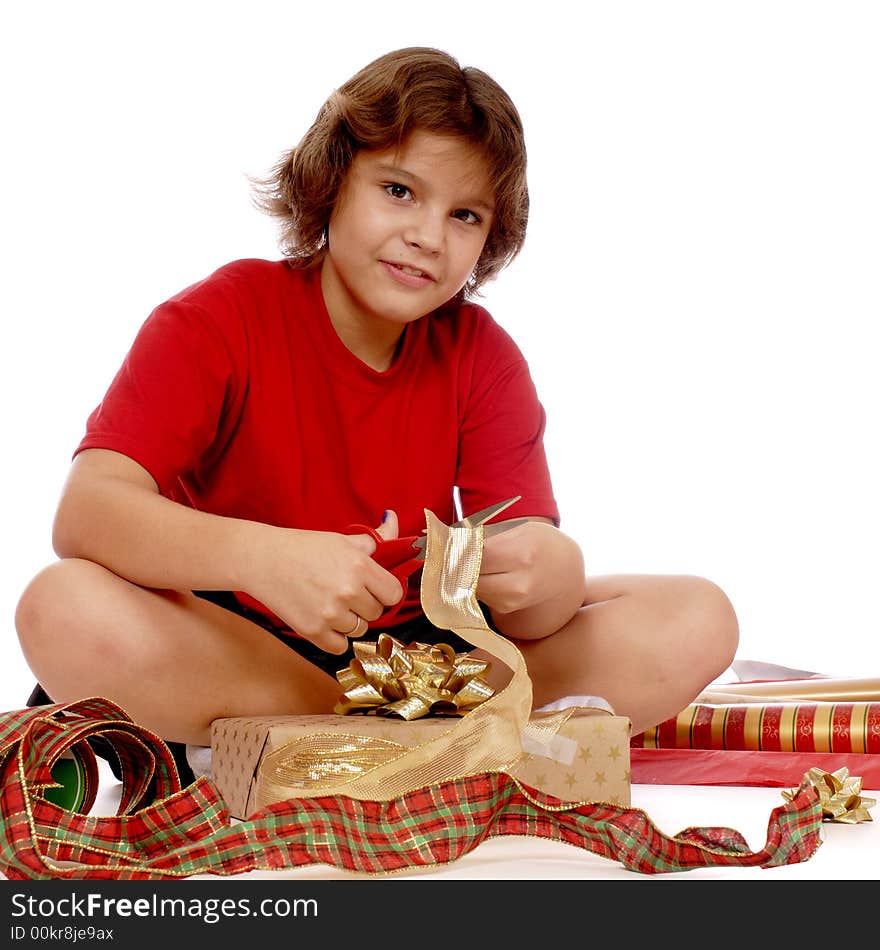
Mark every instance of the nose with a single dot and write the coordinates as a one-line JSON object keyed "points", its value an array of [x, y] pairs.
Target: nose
{"points": [[426, 230]]}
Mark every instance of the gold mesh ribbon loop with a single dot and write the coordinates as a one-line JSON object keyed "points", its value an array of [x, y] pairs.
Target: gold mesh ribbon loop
{"points": [[487, 739]]}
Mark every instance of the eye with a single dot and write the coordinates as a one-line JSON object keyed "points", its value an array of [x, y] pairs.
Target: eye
{"points": [[469, 217], [396, 190]]}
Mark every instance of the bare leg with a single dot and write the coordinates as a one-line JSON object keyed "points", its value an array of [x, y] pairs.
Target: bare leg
{"points": [[173, 661], [646, 643]]}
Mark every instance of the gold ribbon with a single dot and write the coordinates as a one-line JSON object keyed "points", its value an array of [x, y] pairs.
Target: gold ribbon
{"points": [[487, 739], [840, 794], [387, 678]]}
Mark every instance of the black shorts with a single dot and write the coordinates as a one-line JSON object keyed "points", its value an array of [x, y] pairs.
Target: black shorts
{"points": [[417, 630]]}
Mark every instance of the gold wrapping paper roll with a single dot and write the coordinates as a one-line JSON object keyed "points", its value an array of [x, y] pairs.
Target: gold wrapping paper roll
{"points": [[815, 689]]}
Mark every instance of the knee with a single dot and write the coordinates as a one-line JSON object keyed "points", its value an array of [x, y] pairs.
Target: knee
{"points": [[52, 601], [713, 625]]}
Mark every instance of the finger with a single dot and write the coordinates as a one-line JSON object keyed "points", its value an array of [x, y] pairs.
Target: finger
{"points": [[500, 555], [385, 587], [362, 541], [490, 588], [354, 625], [366, 606], [390, 527], [330, 642], [495, 591], [380, 584]]}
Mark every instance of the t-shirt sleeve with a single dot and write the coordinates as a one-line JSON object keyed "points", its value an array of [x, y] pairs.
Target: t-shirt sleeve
{"points": [[501, 441], [166, 406]]}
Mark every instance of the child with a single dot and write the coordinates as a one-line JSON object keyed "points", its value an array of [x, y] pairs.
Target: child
{"points": [[203, 567]]}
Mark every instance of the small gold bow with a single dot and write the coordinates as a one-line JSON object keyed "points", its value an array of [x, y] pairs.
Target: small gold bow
{"points": [[387, 678], [840, 794]]}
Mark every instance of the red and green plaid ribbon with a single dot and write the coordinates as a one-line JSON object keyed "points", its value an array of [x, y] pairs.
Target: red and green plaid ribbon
{"points": [[162, 831]]}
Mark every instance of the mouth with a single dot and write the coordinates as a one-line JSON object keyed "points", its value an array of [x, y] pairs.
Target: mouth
{"points": [[408, 270]]}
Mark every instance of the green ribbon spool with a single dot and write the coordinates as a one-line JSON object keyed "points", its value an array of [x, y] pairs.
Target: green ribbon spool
{"points": [[70, 774]]}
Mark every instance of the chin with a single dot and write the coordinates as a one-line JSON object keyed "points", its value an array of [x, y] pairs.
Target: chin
{"points": [[406, 314]]}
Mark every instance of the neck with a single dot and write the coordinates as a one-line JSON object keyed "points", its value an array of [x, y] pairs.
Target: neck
{"points": [[376, 353], [371, 339]]}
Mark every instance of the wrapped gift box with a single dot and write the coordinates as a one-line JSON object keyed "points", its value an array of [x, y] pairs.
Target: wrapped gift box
{"points": [[580, 755]]}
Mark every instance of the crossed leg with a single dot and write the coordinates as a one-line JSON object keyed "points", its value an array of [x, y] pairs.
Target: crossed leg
{"points": [[646, 643], [649, 644], [172, 661]]}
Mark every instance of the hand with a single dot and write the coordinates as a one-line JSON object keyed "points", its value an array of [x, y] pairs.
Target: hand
{"points": [[532, 566], [324, 585]]}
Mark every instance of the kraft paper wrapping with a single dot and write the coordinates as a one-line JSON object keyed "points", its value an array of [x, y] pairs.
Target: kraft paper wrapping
{"points": [[486, 739], [576, 754]]}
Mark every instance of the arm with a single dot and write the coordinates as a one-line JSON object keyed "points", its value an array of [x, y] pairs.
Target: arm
{"points": [[533, 580], [111, 512]]}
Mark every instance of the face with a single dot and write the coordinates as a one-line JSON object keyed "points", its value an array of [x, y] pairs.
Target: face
{"points": [[407, 230]]}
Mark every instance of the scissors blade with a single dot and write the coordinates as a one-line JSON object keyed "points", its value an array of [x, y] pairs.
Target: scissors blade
{"points": [[476, 519], [481, 517]]}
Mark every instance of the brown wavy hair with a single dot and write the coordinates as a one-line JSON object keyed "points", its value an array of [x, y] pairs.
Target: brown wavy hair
{"points": [[417, 88]]}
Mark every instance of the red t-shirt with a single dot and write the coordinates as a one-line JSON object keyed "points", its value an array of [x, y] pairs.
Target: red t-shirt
{"points": [[240, 400]]}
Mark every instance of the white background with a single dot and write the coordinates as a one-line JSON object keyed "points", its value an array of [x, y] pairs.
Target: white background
{"points": [[697, 297]]}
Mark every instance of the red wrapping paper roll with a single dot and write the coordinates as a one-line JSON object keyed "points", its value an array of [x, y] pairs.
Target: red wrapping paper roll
{"points": [[840, 727]]}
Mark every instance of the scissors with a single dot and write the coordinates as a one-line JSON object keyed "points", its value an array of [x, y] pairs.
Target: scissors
{"points": [[404, 556]]}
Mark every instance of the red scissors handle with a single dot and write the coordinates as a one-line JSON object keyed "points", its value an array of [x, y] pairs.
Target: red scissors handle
{"points": [[397, 556]]}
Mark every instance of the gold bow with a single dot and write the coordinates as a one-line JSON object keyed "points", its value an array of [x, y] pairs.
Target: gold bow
{"points": [[840, 794], [387, 678]]}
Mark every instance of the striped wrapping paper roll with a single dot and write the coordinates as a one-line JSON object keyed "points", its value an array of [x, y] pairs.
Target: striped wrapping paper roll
{"points": [[850, 727]]}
